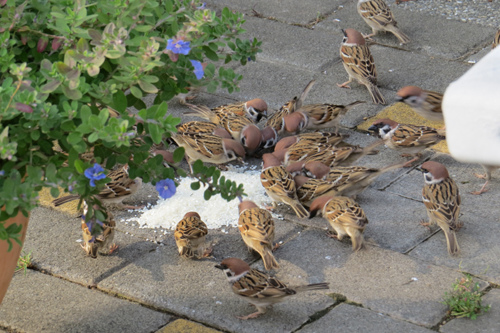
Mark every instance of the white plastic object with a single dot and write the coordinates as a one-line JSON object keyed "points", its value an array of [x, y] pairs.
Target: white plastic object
{"points": [[471, 108]]}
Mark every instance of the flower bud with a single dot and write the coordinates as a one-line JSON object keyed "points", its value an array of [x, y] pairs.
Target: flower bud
{"points": [[42, 44]]}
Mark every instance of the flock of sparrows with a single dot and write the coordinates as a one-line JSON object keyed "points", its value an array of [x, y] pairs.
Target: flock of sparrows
{"points": [[311, 172]]}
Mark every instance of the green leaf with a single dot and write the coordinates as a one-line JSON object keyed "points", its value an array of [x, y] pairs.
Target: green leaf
{"points": [[74, 138], [195, 186], [197, 166], [148, 87], [154, 131], [207, 194], [136, 91], [120, 101], [210, 54], [178, 154], [54, 192], [50, 86], [79, 166]]}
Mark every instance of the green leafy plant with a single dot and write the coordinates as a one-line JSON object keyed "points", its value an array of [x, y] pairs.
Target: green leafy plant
{"points": [[465, 299], [71, 70], [24, 262]]}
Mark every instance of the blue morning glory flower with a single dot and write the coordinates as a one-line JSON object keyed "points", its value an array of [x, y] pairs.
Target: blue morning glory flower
{"points": [[166, 188], [94, 173], [203, 6], [198, 69], [179, 46]]}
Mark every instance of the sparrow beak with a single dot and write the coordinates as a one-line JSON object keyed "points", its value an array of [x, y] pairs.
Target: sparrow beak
{"points": [[399, 98], [220, 266], [241, 160], [373, 128]]}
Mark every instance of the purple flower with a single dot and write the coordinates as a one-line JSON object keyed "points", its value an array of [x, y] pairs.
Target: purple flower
{"points": [[179, 46], [2, 173], [95, 173], [203, 6], [198, 69], [166, 188]]}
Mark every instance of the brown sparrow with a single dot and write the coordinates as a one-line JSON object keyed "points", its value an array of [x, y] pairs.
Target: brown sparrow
{"points": [[203, 127], [100, 241], [114, 192], [379, 17], [251, 138], [358, 63], [345, 216], [496, 40], [276, 120], [256, 227], [258, 288], [269, 137], [349, 180], [488, 169], [425, 103], [406, 138], [442, 201], [329, 138], [279, 185], [208, 148], [309, 189], [317, 116], [254, 110], [190, 235]]}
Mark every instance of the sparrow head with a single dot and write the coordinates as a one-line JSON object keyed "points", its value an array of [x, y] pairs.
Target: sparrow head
{"points": [[234, 268], [269, 137], [256, 109], [233, 149], [411, 95], [289, 107], [280, 155], [295, 168], [285, 143], [247, 204], [270, 160], [295, 122], [434, 172], [316, 169], [251, 137], [300, 180], [352, 36], [318, 204], [190, 214], [221, 132], [383, 126]]}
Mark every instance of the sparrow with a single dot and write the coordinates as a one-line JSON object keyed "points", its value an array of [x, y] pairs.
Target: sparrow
{"points": [[344, 215], [379, 17], [258, 288], [308, 189], [251, 138], [349, 180], [425, 103], [97, 235], [190, 235], [329, 138], [406, 138], [208, 148], [256, 227], [358, 63], [269, 137], [203, 127], [254, 110], [496, 40], [276, 120], [488, 169], [279, 185], [442, 201], [317, 116], [114, 192]]}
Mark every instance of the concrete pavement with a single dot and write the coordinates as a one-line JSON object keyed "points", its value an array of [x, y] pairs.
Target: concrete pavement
{"points": [[394, 285]]}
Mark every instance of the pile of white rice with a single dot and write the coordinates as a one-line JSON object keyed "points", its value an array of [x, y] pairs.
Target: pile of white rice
{"points": [[216, 212]]}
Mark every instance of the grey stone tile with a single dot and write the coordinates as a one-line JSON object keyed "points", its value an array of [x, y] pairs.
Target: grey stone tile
{"points": [[486, 323], [197, 290], [349, 318], [430, 35], [292, 12], [60, 254], [42, 303], [384, 281]]}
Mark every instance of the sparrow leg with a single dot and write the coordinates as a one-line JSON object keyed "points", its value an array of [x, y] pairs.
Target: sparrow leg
{"points": [[345, 84], [122, 206], [409, 163], [332, 235], [426, 224], [273, 206], [207, 252], [481, 176], [259, 311], [112, 248], [482, 190], [222, 167], [275, 247]]}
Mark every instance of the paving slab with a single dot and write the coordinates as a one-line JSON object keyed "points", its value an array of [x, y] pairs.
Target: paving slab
{"points": [[347, 318], [60, 254], [384, 281], [292, 45], [291, 12], [434, 36], [44, 303], [477, 238], [202, 293], [485, 323], [186, 326]]}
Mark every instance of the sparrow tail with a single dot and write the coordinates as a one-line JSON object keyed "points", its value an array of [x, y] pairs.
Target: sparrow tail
{"points": [[357, 239], [62, 200], [269, 260], [403, 38], [451, 242], [314, 286], [299, 210], [304, 94], [376, 94], [201, 111]]}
